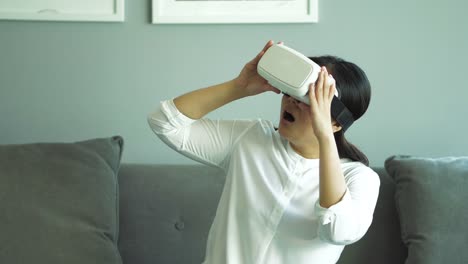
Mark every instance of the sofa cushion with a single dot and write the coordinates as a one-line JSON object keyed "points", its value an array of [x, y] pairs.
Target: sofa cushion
{"points": [[59, 202], [431, 195], [166, 212]]}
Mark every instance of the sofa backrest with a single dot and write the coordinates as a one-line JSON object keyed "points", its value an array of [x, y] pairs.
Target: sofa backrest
{"points": [[382, 243], [166, 212]]}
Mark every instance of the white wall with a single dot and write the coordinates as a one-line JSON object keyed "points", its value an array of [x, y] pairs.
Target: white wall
{"points": [[72, 81]]}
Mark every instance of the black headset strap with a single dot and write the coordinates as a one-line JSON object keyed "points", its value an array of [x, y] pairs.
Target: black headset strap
{"points": [[341, 114]]}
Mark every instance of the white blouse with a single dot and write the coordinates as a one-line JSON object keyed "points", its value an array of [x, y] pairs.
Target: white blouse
{"points": [[269, 211]]}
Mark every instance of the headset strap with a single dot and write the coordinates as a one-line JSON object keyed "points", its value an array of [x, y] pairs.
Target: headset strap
{"points": [[341, 114]]}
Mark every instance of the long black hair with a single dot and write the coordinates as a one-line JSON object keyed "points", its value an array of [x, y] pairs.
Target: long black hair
{"points": [[355, 92]]}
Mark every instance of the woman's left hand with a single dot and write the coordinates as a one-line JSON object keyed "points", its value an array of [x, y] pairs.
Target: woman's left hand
{"points": [[321, 95]]}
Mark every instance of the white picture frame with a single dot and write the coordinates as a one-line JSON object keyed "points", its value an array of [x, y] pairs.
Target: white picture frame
{"points": [[234, 11], [63, 10]]}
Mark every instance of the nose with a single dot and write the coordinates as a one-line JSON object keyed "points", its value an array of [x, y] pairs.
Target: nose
{"points": [[292, 99]]}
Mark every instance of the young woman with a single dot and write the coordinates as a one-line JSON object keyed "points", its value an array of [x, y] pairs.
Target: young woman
{"points": [[293, 195]]}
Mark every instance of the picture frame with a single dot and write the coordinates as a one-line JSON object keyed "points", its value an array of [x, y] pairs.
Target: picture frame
{"points": [[63, 10], [234, 11]]}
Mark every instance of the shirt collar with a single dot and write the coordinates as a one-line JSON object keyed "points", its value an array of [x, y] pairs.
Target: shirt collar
{"points": [[298, 158]]}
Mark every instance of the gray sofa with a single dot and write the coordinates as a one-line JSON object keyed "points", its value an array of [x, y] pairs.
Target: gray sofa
{"points": [[166, 212], [76, 203]]}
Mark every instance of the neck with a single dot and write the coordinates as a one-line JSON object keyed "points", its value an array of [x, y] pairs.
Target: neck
{"points": [[307, 151]]}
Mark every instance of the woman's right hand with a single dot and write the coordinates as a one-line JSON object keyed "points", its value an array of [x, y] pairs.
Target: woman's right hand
{"points": [[198, 103], [250, 80]]}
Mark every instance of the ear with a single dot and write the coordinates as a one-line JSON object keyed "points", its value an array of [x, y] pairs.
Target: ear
{"points": [[335, 126]]}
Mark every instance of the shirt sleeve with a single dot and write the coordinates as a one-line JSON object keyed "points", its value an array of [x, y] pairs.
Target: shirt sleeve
{"points": [[204, 140], [348, 220]]}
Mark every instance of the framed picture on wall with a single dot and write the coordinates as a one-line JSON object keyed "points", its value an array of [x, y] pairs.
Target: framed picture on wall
{"points": [[234, 11], [63, 10]]}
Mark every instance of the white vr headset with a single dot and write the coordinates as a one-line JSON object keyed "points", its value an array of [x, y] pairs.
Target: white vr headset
{"points": [[292, 73]]}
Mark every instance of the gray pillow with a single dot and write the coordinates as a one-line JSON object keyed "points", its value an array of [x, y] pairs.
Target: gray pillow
{"points": [[59, 202], [431, 197]]}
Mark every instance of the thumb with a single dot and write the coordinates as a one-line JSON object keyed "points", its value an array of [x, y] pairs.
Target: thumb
{"points": [[269, 87]]}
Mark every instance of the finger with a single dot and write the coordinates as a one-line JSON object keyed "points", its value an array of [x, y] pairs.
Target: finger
{"points": [[332, 88], [259, 55], [268, 45], [329, 88], [312, 98], [257, 58], [319, 86], [326, 84], [269, 87]]}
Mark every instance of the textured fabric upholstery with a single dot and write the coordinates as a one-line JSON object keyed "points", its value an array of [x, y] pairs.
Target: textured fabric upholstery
{"points": [[431, 195], [166, 212], [382, 243], [59, 202]]}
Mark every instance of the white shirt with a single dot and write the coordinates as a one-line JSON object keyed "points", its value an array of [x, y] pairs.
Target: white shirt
{"points": [[268, 212]]}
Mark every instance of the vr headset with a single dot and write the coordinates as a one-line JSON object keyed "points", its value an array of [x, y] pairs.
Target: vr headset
{"points": [[292, 73]]}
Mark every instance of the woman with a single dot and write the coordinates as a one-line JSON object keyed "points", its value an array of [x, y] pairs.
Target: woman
{"points": [[296, 194]]}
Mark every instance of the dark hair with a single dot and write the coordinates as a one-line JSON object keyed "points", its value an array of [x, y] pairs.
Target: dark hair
{"points": [[354, 91]]}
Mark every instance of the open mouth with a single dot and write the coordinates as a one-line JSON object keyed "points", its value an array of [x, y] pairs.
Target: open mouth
{"points": [[288, 116]]}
